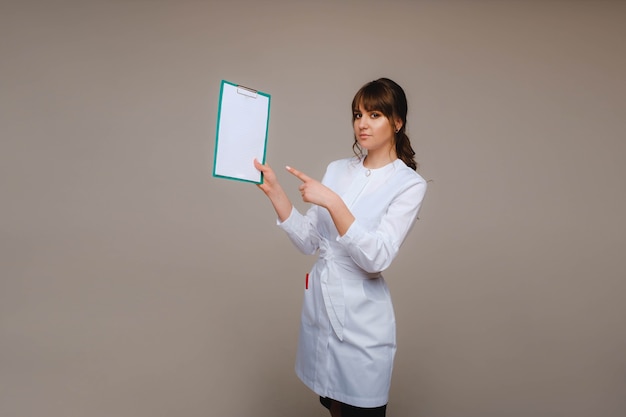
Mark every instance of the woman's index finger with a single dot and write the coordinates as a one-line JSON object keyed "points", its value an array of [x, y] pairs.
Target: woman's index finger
{"points": [[300, 175]]}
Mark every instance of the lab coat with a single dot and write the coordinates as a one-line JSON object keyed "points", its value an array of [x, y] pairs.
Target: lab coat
{"points": [[347, 339]]}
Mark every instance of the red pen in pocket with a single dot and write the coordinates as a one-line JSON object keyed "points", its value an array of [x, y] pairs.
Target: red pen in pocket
{"points": [[306, 282]]}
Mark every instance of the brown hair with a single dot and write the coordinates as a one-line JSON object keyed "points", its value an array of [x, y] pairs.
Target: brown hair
{"points": [[387, 97]]}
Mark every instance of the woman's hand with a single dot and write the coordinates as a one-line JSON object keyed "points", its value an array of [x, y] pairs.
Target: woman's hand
{"points": [[315, 192], [274, 191], [270, 184]]}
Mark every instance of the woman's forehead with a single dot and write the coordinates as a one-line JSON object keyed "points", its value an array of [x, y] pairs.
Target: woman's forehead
{"points": [[367, 103], [362, 109], [370, 104]]}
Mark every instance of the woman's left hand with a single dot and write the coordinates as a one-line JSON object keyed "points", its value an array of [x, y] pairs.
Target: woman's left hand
{"points": [[313, 191]]}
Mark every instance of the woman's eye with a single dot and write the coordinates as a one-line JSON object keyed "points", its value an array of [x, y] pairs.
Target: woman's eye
{"points": [[374, 115], [357, 115]]}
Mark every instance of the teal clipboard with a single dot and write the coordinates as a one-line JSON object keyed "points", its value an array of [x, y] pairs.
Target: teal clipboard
{"points": [[242, 124]]}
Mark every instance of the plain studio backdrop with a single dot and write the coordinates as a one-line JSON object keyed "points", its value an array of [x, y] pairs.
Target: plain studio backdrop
{"points": [[134, 284]]}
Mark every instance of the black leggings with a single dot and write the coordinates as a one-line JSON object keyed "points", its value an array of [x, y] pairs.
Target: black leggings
{"points": [[352, 411]]}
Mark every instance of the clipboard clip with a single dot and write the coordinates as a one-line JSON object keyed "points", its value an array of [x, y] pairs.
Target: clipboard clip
{"points": [[246, 91]]}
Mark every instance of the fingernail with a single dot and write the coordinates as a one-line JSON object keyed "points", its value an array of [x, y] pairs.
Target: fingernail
{"points": [[287, 167]]}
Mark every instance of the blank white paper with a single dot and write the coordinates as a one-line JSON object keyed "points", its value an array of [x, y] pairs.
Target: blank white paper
{"points": [[241, 133]]}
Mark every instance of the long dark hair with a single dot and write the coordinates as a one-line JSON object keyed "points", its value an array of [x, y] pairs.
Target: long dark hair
{"points": [[387, 97]]}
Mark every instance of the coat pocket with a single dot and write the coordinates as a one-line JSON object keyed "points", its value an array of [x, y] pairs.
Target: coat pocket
{"points": [[375, 289]]}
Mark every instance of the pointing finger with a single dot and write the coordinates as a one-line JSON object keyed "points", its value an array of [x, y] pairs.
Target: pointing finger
{"points": [[301, 176]]}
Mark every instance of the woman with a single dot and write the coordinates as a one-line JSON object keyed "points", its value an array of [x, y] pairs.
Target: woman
{"points": [[361, 213]]}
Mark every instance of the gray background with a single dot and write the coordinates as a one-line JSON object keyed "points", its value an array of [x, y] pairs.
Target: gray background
{"points": [[135, 284]]}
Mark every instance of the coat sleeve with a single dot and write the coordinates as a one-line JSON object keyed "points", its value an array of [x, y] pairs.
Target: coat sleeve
{"points": [[302, 230], [374, 250]]}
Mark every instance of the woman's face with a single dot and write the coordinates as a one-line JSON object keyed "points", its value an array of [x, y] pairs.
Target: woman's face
{"points": [[373, 130]]}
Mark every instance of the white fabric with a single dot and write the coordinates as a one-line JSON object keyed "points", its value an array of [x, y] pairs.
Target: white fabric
{"points": [[347, 338]]}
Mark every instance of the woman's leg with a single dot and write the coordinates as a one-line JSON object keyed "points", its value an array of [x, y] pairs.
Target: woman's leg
{"points": [[339, 409], [335, 408], [352, 411]]}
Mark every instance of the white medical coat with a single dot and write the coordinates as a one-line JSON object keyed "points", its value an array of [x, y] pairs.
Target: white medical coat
{"points": [[347, 339]]}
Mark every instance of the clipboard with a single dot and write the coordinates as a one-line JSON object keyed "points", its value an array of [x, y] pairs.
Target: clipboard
{"points": [[242, 125]]}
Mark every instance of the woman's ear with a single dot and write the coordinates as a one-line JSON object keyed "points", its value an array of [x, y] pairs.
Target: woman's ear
{"points": [[398, 125]]}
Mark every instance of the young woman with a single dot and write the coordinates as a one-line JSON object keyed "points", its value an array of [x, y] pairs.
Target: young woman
{"points": [[361, 213]]}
